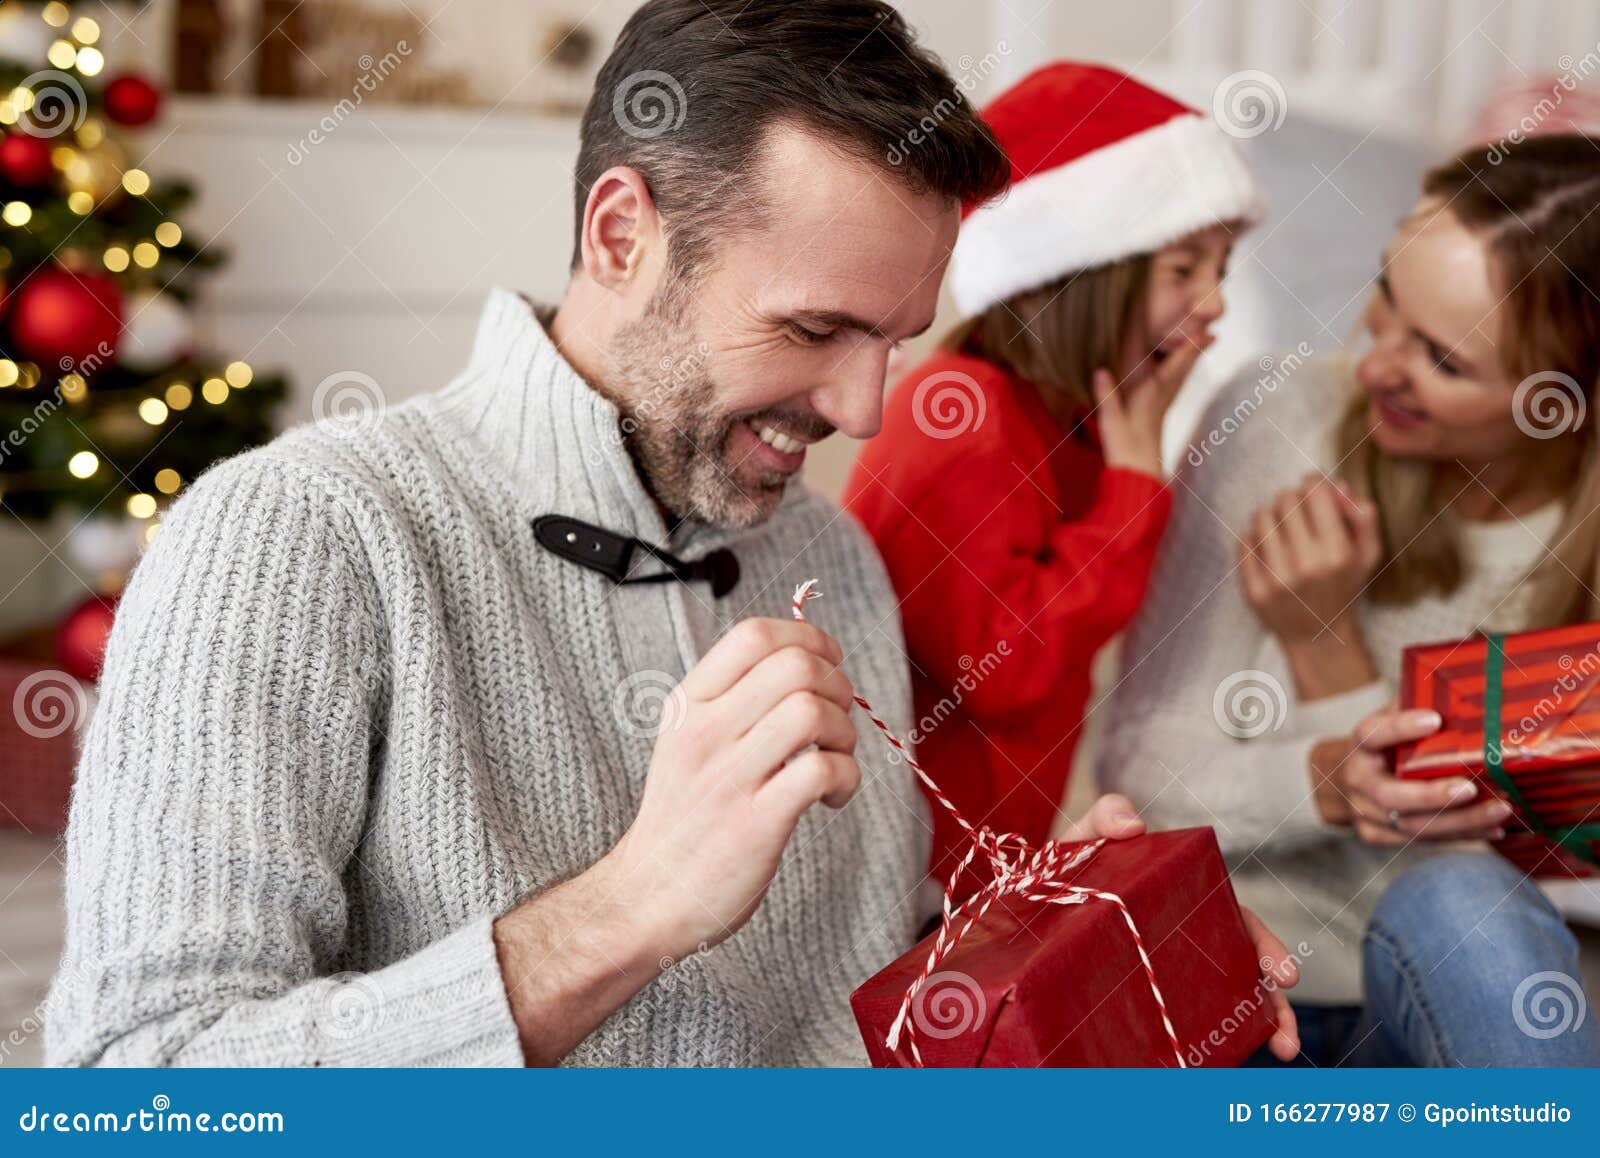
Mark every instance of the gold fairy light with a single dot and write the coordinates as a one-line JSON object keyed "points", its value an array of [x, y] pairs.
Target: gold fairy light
{"points": [[145, 254], [116, 259], [85, 30], [90, 61], [73, 387], [91, 133], [168, 481], [56, 14], [168, 233], [150, 533], [62, 54], [141, 505], [8, 373], [153, 411], [80, 202], [238, 374], [179, 396], [28, 375], [17, 213], [83, 464], [214, 391], [136, 181]]}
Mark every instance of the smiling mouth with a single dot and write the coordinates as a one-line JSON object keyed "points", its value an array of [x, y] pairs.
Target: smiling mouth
{"points": [[778, 440], [1391, 405]]}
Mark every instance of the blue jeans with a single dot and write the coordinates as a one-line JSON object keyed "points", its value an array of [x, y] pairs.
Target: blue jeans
{"points": [[1465, 963]]}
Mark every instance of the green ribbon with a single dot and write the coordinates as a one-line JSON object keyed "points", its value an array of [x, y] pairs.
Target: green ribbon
{"points": [[1574, 839]]}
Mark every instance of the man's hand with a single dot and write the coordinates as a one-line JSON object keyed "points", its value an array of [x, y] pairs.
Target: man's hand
{"points": [[764, 732], [1278, 967], [1110, 816], [757, 733]]}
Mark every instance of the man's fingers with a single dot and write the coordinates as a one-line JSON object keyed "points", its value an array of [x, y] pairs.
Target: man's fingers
{"points": [[819, 777], [1110, 816], [746, 644], [1280, 970], [801, 720], [1392, 726], [775, 678]]}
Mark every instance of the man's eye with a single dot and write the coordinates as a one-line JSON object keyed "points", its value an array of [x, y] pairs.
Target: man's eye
{"points": [[1183, 272], [807, 337]]}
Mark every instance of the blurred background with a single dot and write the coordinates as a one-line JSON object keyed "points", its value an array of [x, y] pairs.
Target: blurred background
{"points": [[221, 217]]}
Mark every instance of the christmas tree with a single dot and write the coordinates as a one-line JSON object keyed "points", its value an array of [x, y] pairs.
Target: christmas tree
{"points": [[106, 405]]}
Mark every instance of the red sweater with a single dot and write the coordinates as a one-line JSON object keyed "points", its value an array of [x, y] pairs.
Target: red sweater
{"points": [[1016, 553]]}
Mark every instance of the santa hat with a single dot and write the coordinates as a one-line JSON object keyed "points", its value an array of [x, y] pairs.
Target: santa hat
{"points": [[1102, 168]]}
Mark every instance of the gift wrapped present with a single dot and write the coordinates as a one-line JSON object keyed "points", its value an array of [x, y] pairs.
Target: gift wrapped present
{"points": [[1130, 953], [1522, 716], [1082, 953]]}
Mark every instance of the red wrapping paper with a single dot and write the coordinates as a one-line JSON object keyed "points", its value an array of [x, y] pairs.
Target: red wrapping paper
{"points": [[1062, 985], [1549, 733]]}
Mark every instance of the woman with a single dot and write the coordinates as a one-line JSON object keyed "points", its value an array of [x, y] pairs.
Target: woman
{"points": [[1016, 492], [1425, 499]]}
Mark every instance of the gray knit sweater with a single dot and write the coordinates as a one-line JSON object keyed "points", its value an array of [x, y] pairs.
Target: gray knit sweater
{"points": [[351, 712]]}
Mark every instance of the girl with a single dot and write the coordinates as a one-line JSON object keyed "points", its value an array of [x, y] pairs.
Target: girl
{"points": [[1444, 500], [1016, 491]]}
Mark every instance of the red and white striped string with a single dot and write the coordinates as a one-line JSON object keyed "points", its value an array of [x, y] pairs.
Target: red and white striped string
{"points": [[1017, 869]]}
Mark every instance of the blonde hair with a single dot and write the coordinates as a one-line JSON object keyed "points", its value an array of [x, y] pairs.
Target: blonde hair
{"points": [[1057, 336], [1532, 206]]}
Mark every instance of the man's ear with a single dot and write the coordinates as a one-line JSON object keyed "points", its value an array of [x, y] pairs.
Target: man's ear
{"points": [[621, 229]]}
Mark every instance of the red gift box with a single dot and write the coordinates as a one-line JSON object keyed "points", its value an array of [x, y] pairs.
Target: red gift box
{"points": [[1522, 716], [1033, 983]]}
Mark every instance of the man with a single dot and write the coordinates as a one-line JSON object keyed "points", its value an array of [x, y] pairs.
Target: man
{"points": [[389, 770]]}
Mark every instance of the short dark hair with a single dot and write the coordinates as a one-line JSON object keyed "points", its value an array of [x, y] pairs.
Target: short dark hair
{"points": [[692, 86]]}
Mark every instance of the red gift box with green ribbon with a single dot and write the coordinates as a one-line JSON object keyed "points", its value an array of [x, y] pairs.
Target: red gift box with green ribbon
{"points": [[1521, 714]]}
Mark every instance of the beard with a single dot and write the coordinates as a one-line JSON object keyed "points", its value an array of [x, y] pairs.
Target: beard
{"points": [[672, 427]]}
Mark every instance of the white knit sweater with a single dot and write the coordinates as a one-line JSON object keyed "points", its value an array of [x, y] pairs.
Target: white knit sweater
{"points": [[1196, 661], [351, 711]]}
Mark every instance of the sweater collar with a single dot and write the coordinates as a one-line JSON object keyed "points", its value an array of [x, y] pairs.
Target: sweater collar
{"points": [[557, 438]]}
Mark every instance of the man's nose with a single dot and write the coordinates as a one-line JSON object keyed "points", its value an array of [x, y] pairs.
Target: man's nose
{"points": [[852, 400]]}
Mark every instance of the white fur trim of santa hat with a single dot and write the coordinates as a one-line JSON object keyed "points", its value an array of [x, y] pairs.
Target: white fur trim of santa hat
{"points": [[1128, 198]]}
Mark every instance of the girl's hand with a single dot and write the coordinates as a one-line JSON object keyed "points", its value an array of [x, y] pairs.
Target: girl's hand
{"points": [[1353, 785], [1306, 556], [1131, 414]]}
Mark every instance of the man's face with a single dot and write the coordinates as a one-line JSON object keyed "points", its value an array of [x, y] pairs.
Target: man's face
{"points": [[783, 335]]}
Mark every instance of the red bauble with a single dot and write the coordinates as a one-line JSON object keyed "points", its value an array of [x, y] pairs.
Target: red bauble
{"points": [[81, 638], [66, 321], [25, 161], [131, 101]]}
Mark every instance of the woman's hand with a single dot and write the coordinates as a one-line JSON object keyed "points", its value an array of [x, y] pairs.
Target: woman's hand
{"points": [[1353, 785], [1306, 556], [1130, 415]]}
